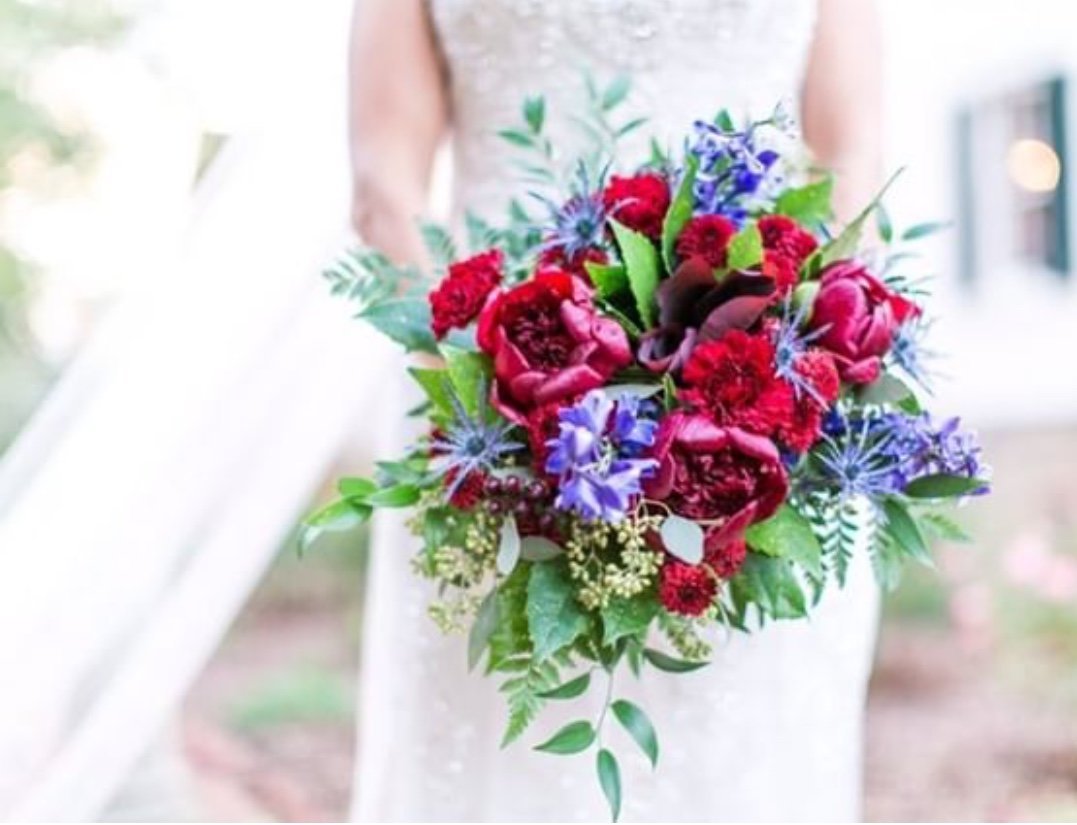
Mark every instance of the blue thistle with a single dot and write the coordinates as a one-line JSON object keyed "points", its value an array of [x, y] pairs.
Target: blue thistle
{"points": [[858, 460], [791, 341], [910, 353], [578, 224], [595, 455], [470, 443]]}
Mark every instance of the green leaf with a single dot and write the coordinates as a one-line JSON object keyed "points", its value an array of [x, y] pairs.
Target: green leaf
{"points": [[399, 495], [554, 618], [609, 778], [338, 517], [943, 486], [679, 213], [886, 389], [510, 637], [482, 629], [745, 248], [508, 547], [724, 121], [787, 534], [635, 721], [570, 689], [944, 527], [771, 584], [517, 138], [627, 617], [535, 113], [669, 664], [887, 562], [809, 205], [439, 244], [902, 526], [883, 223], [539, 548], [683, 538], [437, 386], [609, 279], [922, 230], [616, 92], [405, 320], [468, 372], [641, 265], [847, 242], [356, 487], [572, 738]]}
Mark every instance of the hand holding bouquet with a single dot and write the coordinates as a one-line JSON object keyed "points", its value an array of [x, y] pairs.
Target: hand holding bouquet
{"points": [[673, 401]]}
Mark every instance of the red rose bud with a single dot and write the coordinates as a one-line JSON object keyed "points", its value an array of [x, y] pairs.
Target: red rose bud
{"points": [[858, 316], [457, 300], [639, 202], [548, 343], [716, 473]]}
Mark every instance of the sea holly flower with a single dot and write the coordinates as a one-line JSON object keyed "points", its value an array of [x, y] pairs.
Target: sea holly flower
{"points": [[595, 456], [470, 446], [859, 460], [910, 353], [576, 231]]}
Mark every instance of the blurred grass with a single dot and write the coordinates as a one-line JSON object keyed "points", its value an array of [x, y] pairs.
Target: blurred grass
{"points": [[303, 694]]}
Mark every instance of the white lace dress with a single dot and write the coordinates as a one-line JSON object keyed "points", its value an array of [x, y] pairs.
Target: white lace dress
{"points": [[772, 729]]}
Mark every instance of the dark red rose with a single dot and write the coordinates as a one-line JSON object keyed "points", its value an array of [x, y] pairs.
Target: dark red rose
{"points": [[726, 559], [548, 343], [543, 424], [801, 430], [708, 472], [786, 245], [639, 202], [732, 381], [686, 589], [707, 237], [460, 296], [554, 258], [858, 316]]}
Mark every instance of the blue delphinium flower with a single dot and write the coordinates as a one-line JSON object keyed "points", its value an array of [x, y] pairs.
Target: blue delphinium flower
{"points": [[470, 443], [578, 224], [596, 455], [922, 447]]}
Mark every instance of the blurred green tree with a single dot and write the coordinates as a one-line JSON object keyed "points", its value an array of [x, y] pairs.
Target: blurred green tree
{"points": [[31, 33]]}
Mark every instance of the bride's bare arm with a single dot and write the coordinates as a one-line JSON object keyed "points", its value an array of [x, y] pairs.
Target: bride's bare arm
{"points": [[398, 115], [842, 100]]}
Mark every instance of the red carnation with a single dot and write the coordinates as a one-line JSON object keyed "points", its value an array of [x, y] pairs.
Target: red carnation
{"points": [[727, 558], [686, 589], [460, 296], [554, 258], [470, 491], [786, 246], [639, 202], [732, 380], [706, 236], [548, 343], [803, 427]]}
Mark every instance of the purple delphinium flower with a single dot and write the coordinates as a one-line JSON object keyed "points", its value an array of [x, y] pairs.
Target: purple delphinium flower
{"points": [[595, 455]]}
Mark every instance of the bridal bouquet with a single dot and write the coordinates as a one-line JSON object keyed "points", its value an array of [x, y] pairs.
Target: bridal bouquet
{"points": [[675, 399]]}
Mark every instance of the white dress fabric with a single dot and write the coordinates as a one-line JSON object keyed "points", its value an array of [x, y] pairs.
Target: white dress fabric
{"points": [[772, 729]]}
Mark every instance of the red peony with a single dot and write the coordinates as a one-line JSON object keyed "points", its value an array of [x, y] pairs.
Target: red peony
{"points": [[460, 296], [858, 317], [686, 589], [548, 344], [732, 380], [707, 237], [554, 258], [543, 424], [707, 472], [786, 246], [803, 427], [726, 559], [470, 491], [639, 202]]}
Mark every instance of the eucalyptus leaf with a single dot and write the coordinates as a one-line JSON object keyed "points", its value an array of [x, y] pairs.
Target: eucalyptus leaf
{"points": [[845, 245], [570, 689], [641, 266], [535, 113], [508, 547], [482, 629], [572, 738], [609, 778], [616, 92], [670, 664], [517, 138], [639, 727], [539, 548], [884, 224], [922, 230], [683, 538]]}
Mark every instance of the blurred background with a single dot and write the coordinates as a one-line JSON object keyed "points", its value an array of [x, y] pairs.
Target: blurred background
{"points": [[222, 682]]}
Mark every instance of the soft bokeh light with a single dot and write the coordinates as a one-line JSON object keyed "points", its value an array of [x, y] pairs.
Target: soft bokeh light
{"points": [[1033, 165]]}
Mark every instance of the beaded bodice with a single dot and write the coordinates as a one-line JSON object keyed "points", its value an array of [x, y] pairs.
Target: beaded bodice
{"points": [[686, 59]]}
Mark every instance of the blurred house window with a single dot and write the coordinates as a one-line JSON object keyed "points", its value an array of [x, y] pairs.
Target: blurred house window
{"points": [[1012, 153]]}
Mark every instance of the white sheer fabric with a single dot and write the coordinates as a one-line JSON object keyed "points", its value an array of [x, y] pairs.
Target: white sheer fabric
{"points": [[771, 730]]}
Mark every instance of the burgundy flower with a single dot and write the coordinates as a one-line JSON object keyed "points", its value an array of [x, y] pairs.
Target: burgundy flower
{"points": [[858, 316], [639, 202], [686, 589], [726, 559], [786, 245], [713, 473], [802, 428], [706, 236], [554, 258], [457, 300], [695, 307], [548, 344]]}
